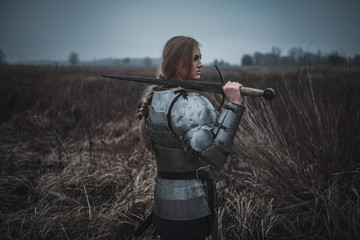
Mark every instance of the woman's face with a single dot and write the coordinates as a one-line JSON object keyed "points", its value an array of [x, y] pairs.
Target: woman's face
{"points": [[195, 70], [196, 65]]}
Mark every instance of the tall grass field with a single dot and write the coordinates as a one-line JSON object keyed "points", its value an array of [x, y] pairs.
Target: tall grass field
{"points": [[72, 166]]}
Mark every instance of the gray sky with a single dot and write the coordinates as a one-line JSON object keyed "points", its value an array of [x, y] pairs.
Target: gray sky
{"points": [[227, 29]]}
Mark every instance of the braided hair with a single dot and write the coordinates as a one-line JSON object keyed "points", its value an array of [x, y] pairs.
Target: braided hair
{"points": [[143, 110]]}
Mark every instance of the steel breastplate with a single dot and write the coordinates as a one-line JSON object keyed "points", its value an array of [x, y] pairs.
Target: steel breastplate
{"points": [[167, 147]]}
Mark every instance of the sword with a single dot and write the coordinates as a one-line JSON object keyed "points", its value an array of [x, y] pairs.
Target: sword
{"points": [[144, 225], [212, 87]]}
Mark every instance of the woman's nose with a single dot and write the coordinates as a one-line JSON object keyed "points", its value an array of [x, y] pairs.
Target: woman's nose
{"points": [[200, 65]]}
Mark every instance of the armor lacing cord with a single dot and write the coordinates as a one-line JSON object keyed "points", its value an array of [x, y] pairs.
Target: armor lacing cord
{"points": [[182, 92]]}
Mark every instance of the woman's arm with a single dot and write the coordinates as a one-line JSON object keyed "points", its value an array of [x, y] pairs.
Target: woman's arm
{"points": [[194, 122]]}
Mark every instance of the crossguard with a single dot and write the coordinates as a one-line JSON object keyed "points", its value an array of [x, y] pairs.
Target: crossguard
{"points": [[222, 83]]}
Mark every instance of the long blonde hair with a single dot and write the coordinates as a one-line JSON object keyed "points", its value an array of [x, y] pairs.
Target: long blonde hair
{"points": [[177, 54]]}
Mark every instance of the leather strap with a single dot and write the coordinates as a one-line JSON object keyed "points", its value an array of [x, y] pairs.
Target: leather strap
{"points": [[180, 92], [198, 174]]}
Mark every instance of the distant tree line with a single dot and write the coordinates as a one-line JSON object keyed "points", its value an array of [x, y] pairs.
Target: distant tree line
{"points": [[297, 56]]}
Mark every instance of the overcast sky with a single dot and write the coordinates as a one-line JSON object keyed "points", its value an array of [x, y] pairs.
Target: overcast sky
{"points": [[227, 29]]}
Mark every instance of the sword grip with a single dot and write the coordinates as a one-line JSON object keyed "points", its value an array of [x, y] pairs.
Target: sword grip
{"points": [[246, 91], [268, 94]]}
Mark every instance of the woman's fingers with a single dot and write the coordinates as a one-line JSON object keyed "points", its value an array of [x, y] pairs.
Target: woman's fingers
{"points": [[232, 92]]}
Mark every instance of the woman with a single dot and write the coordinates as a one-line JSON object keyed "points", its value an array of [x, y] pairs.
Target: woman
{"points": [[180, 128]]}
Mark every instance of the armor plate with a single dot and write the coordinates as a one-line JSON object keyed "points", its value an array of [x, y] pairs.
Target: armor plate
{"points": [[181, 130]]}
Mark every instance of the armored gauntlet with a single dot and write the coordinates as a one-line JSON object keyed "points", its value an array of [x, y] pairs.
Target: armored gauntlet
{"points": [[224, 130]]}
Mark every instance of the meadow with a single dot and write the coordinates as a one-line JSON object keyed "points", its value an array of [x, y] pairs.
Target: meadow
{"points": [[72, 166]]}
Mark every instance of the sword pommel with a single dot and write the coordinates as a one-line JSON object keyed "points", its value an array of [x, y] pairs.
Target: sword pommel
{"points": [[269, 94]]}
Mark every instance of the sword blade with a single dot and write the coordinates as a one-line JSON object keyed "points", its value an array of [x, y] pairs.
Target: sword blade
{"points": [[192, 85]]}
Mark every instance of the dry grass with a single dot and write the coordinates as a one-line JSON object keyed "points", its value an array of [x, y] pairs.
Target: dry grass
{"points": [[73, 168]]}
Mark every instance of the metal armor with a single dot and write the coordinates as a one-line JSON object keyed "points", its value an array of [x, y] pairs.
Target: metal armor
{"points": [[182, 131], [198, 130]]}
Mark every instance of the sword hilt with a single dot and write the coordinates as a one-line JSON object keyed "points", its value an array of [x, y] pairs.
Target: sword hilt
{"points": [[268, 94]]}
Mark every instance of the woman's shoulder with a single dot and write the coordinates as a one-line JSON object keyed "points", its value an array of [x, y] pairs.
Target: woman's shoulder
{"points": [[191, 110]]}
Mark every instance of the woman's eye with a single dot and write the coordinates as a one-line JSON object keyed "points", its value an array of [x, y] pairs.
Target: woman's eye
{"points": [[196, 58]]}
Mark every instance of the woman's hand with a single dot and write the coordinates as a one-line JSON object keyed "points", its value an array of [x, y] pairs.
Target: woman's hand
{"points": [[232, 92]]}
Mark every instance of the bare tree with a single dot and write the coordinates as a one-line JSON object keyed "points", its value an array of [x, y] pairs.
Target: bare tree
{"points": [[296, 54], [247, 60], [74, 59], [275, 55], [147, 62], [2, 58], [127, 61]]}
